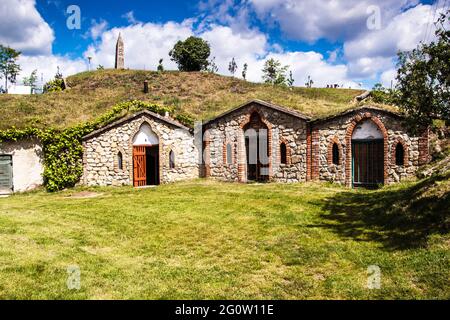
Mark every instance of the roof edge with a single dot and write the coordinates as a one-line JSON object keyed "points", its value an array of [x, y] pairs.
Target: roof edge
{"points": [[348, 111], [265, 104], [131, 117]]}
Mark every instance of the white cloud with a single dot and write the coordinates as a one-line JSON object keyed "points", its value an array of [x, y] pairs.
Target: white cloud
{"points": [[23, 28], [145, 44], [252, 47], [333, 55], [368, 67], [97, 29], [47, 66], [129, 16], [311, 20], [244, 47], [404, 32], [374, 52], [387, 78], [368, 52], [304, 64]]}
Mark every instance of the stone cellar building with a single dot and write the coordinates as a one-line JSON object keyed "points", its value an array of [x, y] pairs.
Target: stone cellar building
{"points": [[362, 147], [257, 141], [142, 149]]}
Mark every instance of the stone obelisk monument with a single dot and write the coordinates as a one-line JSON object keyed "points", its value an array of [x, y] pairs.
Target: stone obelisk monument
{"points": [[120, 55]]}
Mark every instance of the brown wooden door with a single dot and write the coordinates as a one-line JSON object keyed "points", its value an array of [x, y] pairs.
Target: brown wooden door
{"points": [[368, 163], [139, 166]]}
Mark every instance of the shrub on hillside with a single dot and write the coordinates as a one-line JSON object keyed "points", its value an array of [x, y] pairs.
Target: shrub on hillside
{"points": [[55, 85]]}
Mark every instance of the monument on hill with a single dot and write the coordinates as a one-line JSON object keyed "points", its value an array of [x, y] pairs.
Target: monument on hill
{"points": [[120, 55]]}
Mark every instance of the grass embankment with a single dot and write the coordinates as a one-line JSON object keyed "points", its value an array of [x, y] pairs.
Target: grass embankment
{"points": [[201, 95], [203, 239]]}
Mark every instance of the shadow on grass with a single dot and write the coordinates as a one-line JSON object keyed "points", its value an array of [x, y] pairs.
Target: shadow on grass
{"points": [[398, 218]]}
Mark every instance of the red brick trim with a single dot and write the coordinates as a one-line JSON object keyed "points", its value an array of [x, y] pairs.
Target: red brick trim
{"points": [[405, 152], [225, 154], [288, 151], [242, 163], [334, 140], [424, 147], [315, 154], [207, 154], [308, 153], [348, 142]]}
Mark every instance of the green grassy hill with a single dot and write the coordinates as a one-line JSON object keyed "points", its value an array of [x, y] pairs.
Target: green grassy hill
{"points": [[202, 95]]}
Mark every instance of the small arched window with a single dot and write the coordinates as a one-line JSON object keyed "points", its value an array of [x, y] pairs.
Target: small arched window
{"points": [[229, 154], [171, 160], [335, 154], [120, 160], [399, 155], [283, 153]]}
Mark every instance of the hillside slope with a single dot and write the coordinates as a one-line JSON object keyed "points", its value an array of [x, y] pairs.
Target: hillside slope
{"points": [[202, 95]]}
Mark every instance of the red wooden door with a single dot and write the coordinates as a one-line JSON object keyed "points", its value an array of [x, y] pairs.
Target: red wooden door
{"points": [[139, 166]]}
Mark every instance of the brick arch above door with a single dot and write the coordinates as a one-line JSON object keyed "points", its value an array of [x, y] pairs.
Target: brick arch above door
{"points": [[242, 162], [348, 140]]}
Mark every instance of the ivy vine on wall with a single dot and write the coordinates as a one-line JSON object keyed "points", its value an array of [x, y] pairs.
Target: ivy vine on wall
{"points": [[63, 149]]}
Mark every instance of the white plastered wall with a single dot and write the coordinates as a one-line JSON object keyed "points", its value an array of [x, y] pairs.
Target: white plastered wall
{"points": [[27, 158]]}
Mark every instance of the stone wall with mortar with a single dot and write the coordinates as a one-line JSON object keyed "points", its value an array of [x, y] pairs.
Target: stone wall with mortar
{"points": [[339, 130], [282, 127], [100, 158]]}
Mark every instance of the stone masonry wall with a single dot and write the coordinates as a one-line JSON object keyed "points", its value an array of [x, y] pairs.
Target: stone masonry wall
{"points": [[101, 153], [282, 128], [339, 130]]}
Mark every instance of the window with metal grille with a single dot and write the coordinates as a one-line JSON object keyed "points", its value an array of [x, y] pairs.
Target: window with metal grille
{"points": [[229, 154], [399, 155], [283, 153], [335, 154], [171, 159], [120, 160]]}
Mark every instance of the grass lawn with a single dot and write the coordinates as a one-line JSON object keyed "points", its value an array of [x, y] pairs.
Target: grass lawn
{"points": [[210, 240]]}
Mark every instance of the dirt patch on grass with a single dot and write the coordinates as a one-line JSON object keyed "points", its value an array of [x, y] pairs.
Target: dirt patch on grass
{"points": [[85, 195]]}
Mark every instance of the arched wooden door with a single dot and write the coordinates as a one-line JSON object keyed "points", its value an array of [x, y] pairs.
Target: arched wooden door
{"points": [[146, 165], [139, 166], [367, 155], [145, 157], [257, 149], [368, 163]]}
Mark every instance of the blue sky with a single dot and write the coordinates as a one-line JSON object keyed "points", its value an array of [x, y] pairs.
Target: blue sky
{"points": [[348, 42], [73, 41]]}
